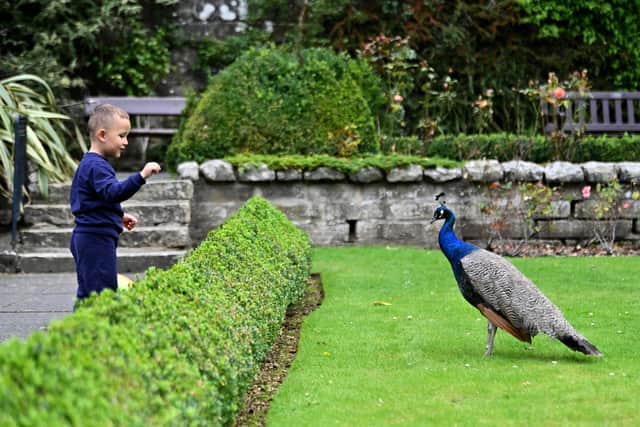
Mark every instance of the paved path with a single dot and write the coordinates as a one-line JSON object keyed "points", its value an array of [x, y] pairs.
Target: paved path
{"points": [[28, 302]]}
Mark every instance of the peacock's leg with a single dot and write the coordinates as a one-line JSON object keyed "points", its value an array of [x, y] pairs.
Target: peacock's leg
{"points": [[491, 334]]}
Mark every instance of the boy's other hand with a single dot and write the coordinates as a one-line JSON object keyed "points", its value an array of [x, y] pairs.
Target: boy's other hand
{"points": [[150, 169], [129, 221]]}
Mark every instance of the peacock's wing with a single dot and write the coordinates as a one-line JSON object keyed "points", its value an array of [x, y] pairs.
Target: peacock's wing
{"points": [[504, 290]]}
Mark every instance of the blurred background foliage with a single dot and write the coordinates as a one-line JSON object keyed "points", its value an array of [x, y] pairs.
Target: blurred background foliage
{"points": [[115, 46], [443, 67]]}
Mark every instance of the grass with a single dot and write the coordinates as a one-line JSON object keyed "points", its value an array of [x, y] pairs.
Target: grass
{"points": [[419, 361]]}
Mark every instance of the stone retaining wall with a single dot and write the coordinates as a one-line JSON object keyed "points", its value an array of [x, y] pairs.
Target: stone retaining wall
{"points": [[495, 200]]}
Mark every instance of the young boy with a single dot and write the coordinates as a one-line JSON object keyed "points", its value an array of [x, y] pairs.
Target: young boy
{"points": [[96, 194]]}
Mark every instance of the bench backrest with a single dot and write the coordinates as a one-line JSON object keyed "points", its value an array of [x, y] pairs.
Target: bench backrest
{"points": [[143, 107], [596, 112]]}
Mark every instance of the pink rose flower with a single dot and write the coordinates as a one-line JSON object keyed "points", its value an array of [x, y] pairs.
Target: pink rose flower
{"points": [[489, 93], [559, 93], [586, 191], [398, 98]]}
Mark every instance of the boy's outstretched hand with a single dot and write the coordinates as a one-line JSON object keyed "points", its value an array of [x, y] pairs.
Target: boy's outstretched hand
{"points": [[129, 221], [150, 169]]}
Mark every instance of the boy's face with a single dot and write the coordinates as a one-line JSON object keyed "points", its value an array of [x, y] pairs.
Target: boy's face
{"points": [[113, 139]]}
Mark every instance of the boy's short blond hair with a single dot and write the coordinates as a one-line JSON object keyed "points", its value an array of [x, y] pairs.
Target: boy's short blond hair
{"points": [[102, 117]]}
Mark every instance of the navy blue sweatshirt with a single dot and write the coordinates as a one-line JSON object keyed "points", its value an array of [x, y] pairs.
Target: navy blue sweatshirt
{"points": [[96, 194]]}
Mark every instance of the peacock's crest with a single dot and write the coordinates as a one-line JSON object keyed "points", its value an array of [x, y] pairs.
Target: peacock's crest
{"points": [[441, 210]]}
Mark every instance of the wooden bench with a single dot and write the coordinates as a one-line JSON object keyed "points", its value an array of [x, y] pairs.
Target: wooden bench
{"points": [[143, 110], [612, 113]]}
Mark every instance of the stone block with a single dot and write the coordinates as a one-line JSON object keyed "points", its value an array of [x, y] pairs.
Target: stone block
{"points": [[289, 175], [630, 209], [301, 210], [367, 232], [160, 213], [326, 235], [162, 236], [482, 171], [409, 173], [367, 175], [189, 170], [563, 172], [57, 194], [217, 171], [165, 190], [522, 171], [56, 215], [222, 192], [324, 173], [588, 208], [406, 209], [628, 171], [481, 228], [256, 173], [559, 209], [343, 211], [599, 172], [440, 174], [405, 233], [580, 229]]}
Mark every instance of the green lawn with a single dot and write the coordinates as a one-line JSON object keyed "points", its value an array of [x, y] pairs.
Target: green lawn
{"points": [[419, 361]]}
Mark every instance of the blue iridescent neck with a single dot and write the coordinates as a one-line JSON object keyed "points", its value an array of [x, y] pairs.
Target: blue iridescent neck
{"points": [[454, 249]]}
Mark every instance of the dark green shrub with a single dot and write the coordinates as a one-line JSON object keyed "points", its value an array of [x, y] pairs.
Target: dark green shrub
{"points": [[536, 148], [138, 69], [82, 46], [609, 149], [179, 348], [271, 101]]}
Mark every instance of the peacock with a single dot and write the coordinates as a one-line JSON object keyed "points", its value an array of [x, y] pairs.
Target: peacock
{"points": [[507, 298]]}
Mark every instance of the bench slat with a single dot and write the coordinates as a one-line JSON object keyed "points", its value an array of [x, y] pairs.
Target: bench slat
{"points": [[593, 109], [618, 111], [605, 111], [625, 127], [147, 106], [152, 132]]}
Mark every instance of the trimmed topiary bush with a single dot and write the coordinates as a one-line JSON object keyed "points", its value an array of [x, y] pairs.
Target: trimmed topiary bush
{"points": [[272, 101], [535, 148], [179, 348]]}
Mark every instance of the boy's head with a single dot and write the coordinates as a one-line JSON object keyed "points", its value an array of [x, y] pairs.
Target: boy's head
{"points": [[108, 129]]}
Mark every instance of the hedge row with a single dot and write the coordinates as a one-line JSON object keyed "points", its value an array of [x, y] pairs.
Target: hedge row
{"points": [[343, 164], [538, 148], [179, 348]]}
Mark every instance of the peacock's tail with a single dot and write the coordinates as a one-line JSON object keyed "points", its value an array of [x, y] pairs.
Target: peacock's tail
{"points": [[578, 343]]}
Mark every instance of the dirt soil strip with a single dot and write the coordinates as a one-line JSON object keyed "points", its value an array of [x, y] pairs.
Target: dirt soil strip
{"points": [[276, 365]]}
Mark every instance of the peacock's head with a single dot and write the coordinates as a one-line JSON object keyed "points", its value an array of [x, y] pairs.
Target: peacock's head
{"points": [[441, 212]]}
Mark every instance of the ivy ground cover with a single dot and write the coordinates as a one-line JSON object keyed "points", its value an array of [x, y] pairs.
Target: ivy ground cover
{"points": [[394, 343]]}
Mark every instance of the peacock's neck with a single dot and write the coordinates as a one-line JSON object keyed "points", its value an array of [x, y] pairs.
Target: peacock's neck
{"points": [[454, 249]]}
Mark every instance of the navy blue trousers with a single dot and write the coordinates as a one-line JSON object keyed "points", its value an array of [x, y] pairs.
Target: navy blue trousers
{"points": [[95, 257]]}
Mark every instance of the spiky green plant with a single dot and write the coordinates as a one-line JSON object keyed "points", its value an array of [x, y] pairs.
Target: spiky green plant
{"points": [[49, 132]]}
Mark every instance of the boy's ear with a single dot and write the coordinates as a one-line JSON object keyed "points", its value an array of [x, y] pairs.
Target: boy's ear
{"points": [[101, 134]]}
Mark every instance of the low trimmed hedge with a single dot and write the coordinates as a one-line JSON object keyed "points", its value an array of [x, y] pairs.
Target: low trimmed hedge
{"points": [[342, 164], [537, 148], [179, 348]]}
